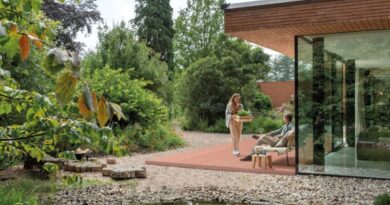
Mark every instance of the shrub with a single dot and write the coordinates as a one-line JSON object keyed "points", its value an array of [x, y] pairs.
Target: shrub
{"points": [[218, 127], [383, 199], [262, 102], [204, 88], [263, 124], [139, 104], [118, 48], [136, 138]]}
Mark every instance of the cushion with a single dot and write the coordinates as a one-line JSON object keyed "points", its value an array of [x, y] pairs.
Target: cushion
{"points": [[287, 139]]}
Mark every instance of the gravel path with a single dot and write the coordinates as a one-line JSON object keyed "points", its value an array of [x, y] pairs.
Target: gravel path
{"points": [[175, 184]]}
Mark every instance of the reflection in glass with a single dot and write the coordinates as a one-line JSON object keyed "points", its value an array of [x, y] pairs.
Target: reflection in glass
{"points": [[343, 99]]}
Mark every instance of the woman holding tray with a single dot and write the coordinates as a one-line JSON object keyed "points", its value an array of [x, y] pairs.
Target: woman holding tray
{"points": [[232, 109]]}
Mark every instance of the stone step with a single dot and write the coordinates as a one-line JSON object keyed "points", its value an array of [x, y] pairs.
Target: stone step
{"points": [[121, 172], [83, 166]]}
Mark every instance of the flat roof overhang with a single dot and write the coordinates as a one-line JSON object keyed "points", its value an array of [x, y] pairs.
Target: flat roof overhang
{"points": [[275, 23]]}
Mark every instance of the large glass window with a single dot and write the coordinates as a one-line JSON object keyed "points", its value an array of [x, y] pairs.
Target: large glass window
{"points": [[343, 104]]}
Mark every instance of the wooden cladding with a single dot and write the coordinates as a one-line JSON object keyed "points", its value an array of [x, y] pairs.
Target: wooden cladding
{"points": [[274, 27]]}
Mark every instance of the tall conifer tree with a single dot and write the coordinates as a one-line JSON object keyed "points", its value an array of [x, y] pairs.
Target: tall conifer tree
{"points": [[155, 26]]}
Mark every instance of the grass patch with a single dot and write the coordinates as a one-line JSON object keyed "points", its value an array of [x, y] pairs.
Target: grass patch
{"points": [[28, 191], [25, 191], [383, 199]]}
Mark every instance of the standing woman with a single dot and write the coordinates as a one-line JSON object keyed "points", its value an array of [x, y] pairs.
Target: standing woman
{"points": [[235, 127]]}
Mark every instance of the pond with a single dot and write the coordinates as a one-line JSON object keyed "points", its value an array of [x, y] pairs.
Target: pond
{"points": [[193, 203]]}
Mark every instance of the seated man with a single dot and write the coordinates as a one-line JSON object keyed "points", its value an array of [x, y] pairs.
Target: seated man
{"points": [[275, 138]]}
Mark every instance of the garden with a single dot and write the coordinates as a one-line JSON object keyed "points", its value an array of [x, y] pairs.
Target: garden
{"points": [[131, 98]]}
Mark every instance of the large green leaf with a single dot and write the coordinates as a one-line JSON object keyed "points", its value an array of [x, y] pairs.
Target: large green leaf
{"points": [[5, 108], [66, 87]]}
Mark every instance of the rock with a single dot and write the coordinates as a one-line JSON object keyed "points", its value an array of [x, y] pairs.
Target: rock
{"points": [[79, 166], [106, 172], [140, 172], [111, 161], [81, 153], [121, 173]]}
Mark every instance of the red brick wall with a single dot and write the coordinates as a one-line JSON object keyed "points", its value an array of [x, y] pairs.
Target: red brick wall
{"points": [[279, 92]]}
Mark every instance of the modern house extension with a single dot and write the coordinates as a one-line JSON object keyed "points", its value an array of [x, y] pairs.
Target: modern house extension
{"points": [[342, 77]]}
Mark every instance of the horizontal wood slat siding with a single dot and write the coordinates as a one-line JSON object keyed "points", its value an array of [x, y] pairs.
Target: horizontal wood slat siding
{"points": [[275, 26]]}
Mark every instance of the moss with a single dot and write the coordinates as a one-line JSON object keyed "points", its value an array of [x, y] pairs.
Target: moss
{"points": [[383, 199]]}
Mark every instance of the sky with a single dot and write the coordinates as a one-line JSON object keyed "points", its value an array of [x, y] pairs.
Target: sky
{"points": [[114, 11]]}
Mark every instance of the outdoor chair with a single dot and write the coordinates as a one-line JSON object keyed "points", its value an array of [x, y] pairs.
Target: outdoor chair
{"points": [[280, 150]]}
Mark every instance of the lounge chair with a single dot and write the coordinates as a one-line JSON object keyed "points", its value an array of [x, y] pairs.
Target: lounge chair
{"points": [[280, 150]]}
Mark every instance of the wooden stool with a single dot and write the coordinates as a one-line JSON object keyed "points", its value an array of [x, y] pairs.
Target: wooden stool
{"points": [[267, 159]]}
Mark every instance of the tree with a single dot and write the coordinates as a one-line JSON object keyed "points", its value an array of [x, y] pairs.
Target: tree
{"points": [[118, 49], [197, 28], [205, 87], [282, 69], [155, 26], [49, 123], [75, 16]]}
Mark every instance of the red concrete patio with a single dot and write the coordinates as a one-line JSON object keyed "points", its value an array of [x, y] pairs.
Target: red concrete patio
{"points": [[219, 157]]}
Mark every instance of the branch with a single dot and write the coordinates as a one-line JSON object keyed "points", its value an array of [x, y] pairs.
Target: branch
{"points": [[37, 39], [24, 138]]}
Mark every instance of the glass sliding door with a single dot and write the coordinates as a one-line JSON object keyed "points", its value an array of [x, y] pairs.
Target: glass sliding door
{"points": [[343, 99]]}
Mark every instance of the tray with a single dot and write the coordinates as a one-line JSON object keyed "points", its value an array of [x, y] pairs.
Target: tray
{"points": [[242, 118]]}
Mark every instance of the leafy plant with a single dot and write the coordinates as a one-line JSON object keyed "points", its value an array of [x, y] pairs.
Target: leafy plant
{"points": [[47, 127], [51, 169], [244, 113]]}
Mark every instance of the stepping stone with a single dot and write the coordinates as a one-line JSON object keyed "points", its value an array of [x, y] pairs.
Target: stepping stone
{"points": [[106, 172], [111, 161], [120, 172], [77, 166], [140, 172]]}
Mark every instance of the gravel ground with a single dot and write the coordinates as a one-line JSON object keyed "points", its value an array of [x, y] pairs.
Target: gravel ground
{"points": [[176, 184]]}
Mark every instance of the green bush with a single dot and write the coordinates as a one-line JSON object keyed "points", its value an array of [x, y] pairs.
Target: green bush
{"points": [[260, 124], [383, 199], [136, 138], [118, 48], [263, 124], [204, 88], [138, 104], [262, 102], [218, 127]]}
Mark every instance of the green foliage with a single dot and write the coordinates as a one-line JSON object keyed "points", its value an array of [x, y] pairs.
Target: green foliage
{"points": [[218, 127], [118, 49], [374, 133], [282, 68], [25, 192], [138, 104], [244, 113], [233, 68], [383, 199], [262, 102], [197, 28], [155, 26], [155, 137], [51, 169], [71, 180]]}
